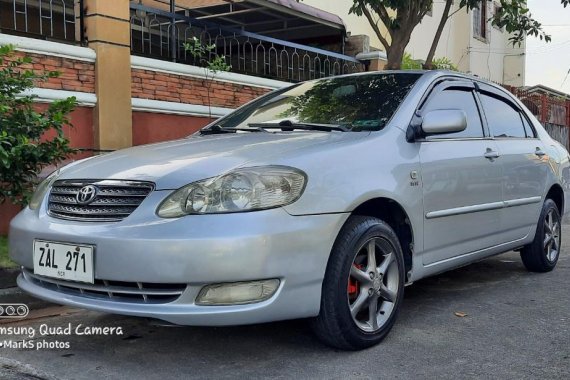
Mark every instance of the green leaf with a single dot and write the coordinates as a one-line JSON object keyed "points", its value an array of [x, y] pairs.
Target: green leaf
{"points": [[24, 148]]}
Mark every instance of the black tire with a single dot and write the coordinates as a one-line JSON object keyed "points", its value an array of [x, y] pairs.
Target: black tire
{"points": [[536, 256], [335, 325]]}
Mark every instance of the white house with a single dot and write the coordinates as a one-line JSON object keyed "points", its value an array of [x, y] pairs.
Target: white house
{"points": [[468, 40]]}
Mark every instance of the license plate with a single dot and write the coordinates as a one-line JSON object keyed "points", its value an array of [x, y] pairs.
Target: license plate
{"points": [[72, 262]]}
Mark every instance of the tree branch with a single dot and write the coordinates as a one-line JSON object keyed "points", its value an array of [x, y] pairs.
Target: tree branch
{"points": [[444, 17], [383, 14], [375, 27]]}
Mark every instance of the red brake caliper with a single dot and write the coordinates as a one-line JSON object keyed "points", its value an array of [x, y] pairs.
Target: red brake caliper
{"points": [[353, 286]]}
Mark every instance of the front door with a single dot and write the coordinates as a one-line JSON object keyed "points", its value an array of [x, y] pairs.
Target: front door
{"points": [[461, 179]]}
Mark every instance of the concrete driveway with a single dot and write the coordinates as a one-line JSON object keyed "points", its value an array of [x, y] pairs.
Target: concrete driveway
{"points": [[517, 326]]}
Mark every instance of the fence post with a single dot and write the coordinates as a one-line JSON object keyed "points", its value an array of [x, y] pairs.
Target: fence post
{"points": [[544, 110], [173, 34], [108, 32], [568, 120], [568, 113]]}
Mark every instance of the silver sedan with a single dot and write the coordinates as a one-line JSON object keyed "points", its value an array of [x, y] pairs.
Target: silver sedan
{"points": [[321, 200]]}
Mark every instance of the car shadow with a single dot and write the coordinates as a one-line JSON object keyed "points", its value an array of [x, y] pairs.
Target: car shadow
{"points": [[497, 269], [296, 336]]}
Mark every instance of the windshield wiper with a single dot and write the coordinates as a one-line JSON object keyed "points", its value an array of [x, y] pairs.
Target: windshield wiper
{"points": [[288, 125], [218, 129]]}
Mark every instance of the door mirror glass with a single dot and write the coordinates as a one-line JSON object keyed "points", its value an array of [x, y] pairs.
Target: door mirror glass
{"points": [[444, 121]]}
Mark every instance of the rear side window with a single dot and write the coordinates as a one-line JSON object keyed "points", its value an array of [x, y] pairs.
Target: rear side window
{"points": [[458, 99], [503, 120]]}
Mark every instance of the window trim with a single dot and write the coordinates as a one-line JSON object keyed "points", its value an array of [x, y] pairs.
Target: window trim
{"points": [[479, 86], [524, 116], [461, 85], [497, 95], [509, 98]]}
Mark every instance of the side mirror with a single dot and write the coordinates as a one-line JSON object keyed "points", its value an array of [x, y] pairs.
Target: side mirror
{"points": [[444, 121]]}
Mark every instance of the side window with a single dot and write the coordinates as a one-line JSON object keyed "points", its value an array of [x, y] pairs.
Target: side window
{"points": [[462, 100], [503, 120]]}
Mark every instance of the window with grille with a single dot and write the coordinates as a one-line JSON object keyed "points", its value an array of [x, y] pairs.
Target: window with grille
{"points": [[480, 17]]}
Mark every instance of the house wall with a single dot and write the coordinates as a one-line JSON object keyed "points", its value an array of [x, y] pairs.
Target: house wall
{"points": [[496, 59], [7, 212], [171, 87], [75, 75], [455, 38], [150, 127]]}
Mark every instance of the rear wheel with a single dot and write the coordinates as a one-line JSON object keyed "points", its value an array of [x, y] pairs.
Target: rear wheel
{"points": [[542, 254], [363, 286]]}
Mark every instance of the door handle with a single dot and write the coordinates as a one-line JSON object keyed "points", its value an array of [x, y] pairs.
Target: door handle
{"points": [[539, 152], [491, 154]]}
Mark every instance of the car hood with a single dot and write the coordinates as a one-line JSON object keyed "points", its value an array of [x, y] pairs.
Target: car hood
{"points": [[173, 164]]}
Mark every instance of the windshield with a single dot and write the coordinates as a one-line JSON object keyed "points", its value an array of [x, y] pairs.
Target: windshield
{"points": [[351, 103]]}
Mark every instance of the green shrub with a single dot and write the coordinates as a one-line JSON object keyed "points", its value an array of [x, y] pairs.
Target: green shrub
{"points": [[5, 261], [444, 63], [24, 148]]}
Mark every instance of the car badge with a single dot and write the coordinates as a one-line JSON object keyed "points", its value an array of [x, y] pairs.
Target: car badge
{"points": [[86, 194]]}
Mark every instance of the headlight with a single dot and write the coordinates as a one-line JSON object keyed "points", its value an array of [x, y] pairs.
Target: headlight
{"points": [[247, 189], [41, 190]]}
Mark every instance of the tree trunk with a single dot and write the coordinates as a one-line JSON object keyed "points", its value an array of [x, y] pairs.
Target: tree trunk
{"points": [[428, 65], [396, 52]]}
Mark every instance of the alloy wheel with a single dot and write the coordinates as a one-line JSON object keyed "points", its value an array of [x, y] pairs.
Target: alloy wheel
{"points": [[551, 236], [373, 284]]}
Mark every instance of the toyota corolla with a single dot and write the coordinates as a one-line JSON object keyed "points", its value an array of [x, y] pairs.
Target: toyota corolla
{"points": [[321, 200]]}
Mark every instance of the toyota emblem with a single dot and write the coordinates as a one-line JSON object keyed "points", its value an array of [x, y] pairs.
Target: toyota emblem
{"points": [[86, 194]]}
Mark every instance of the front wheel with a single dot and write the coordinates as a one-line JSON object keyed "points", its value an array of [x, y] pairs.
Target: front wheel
{"points": [[363, 286], [542, 254]]}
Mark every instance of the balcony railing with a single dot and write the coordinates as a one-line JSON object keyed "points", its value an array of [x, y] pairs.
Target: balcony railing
{"points": [[161, 34], [44, 19]]}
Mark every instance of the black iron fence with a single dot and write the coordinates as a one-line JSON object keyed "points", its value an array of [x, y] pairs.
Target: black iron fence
{"points": [[161, 34], [45, 19]]}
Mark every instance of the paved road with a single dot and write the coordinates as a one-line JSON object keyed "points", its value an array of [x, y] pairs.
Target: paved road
{"points": [[517, 327]]}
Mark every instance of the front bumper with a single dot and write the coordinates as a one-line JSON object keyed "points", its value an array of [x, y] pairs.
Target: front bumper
{"points": [[194, 250]]}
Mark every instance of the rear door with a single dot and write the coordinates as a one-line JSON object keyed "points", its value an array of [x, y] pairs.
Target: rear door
{"points": [[525, 164], [461, 181]]}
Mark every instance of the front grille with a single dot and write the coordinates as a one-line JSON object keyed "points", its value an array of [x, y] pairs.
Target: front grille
{"points": [[134, 292], [113, 200]]}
